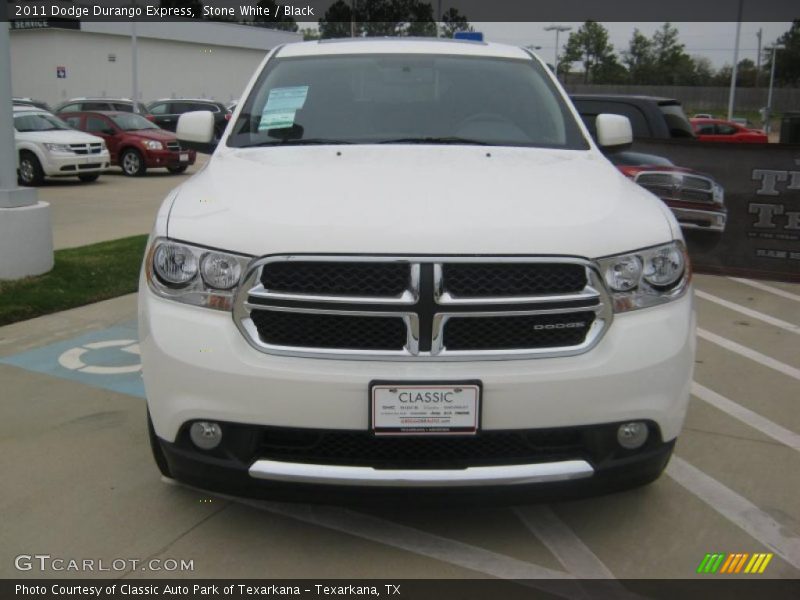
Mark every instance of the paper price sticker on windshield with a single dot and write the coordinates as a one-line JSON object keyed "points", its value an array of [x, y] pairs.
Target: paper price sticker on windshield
{"points": [[286, 98], [276, 119]]}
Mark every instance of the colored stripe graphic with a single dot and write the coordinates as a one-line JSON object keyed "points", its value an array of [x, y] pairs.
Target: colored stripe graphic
{"points": [[735, 562]]}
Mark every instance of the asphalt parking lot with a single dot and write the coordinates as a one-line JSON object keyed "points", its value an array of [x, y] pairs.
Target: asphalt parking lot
{"points": [[74, 441]]}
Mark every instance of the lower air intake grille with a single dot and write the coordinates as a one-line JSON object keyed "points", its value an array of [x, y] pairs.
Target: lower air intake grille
{"points": [[517, 332], [306, 330], [359, 448]]}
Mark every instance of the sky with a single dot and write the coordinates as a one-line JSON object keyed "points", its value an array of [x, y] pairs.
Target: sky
{"points": [[713, 40]]}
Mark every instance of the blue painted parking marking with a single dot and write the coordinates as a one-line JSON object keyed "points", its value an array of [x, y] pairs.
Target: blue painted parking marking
{"points": [[107, 359]]}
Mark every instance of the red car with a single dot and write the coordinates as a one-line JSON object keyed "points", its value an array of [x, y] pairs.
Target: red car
{"points": [[717, 130], [135, 144]]}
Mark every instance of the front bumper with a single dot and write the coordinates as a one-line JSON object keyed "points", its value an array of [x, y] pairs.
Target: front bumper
{"points": [[69, 165], [168, 158], [250, 463], [198, 366]]}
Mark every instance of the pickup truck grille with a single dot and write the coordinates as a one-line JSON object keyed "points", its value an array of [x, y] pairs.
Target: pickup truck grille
{"points": [[678, 186], [422, 308]]}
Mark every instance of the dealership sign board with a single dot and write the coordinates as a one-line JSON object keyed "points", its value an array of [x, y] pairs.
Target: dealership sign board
{"points": [[762, 194]]}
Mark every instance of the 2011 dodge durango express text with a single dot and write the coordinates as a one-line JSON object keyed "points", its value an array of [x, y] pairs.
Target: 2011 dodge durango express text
{"points": [[386, 222]]}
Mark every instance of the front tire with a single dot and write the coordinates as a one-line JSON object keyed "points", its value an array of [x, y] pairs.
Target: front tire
{"points": [[155, 446], [89, 177], [30, 171], [132, 163]]}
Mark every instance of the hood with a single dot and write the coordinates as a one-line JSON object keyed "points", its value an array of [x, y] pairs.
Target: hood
{"points": [[154, 134], [59, 136], [413, 199]]}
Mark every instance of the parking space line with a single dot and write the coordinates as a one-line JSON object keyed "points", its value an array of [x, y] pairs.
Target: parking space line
{"points": [[737, 509], [753, 355], [747, 416], [427, 544], [753, 314], [767, 288], [567, 547]]}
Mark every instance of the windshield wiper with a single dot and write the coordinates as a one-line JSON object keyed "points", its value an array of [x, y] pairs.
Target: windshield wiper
{"points": [[436, 140], [298, 142]]}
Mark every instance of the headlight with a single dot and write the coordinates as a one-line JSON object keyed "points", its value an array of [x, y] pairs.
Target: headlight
{"points": [[58, 147], [647, 277], [193, 275], [153, 145]]}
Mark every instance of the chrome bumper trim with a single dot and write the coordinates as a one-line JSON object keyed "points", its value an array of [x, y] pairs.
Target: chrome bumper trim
{"points": [[472, 476], [688, 218]]}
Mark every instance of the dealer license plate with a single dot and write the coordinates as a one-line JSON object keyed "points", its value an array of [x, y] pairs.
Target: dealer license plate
{"points": [[184, 157], [425, 408]]}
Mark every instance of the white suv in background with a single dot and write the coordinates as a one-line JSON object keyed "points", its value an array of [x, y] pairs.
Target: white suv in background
{"points": [[407, 268], [48, 147]]}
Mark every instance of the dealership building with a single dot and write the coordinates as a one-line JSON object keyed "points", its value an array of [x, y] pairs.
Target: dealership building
{"points": [[55, 61]]}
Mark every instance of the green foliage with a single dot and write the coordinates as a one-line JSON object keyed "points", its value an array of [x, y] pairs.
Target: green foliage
{"points": [[590, 46], [387, 18], [787, 59], [80, 276]]}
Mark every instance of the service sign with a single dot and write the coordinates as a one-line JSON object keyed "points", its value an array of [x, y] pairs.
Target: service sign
{"points": [[425, 409]]}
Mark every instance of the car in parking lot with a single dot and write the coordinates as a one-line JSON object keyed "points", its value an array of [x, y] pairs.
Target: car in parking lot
{"points": [[135, 143], [167, 111], [650, 116], [407, 266], [102, 104], [47, 147], [720, 130]]}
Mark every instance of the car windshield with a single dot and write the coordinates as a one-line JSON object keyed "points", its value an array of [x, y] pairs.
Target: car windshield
{"points": [[39, 122], [406, 99], [132, 122]]}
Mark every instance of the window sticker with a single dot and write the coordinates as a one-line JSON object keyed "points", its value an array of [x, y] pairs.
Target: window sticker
{"points": [[276, 119], [286, 98]]}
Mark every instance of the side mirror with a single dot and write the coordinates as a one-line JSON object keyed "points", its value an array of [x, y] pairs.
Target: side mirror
{"points": [[613, 130], [195, 130]]}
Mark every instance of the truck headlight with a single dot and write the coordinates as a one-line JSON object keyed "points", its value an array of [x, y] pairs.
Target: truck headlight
{"points": [[153, 145], [193, 275], [58, 148], [647, 277]]}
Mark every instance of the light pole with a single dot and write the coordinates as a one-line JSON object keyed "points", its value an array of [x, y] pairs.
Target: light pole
{"points": [[734, 71], [768, 113], [26, 238], [558, 29]]}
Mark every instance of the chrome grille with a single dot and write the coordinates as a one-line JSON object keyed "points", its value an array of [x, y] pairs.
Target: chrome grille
{"points": [[86, 148], [173, 146], [422, 308], [678, 186]]}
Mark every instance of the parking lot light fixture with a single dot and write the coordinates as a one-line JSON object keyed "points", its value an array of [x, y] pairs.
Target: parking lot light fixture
{"points": [[558, 29]]}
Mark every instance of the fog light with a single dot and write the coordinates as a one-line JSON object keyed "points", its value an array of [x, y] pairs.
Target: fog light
{"points": [[632, 435], [205, 435]]}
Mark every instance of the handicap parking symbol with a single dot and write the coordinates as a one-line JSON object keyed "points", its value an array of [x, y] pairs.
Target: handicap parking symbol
{"points": [[107, 359]]}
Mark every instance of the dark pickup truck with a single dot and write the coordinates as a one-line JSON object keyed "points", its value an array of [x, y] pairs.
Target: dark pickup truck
{"points": [[696, 199]]}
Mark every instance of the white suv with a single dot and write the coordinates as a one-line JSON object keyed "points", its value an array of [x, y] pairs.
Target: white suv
{"points": [[48, 147], [407, 266]]}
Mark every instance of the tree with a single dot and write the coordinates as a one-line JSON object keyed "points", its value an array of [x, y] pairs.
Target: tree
{"points": [[787, 59], [382, 18], [639, 58], [452, 22], [703, 69], [309, 34], [590, 46], [276, 18], [672, 65]]}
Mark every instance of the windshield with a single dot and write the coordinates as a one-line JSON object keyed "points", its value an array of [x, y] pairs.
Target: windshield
{"points": [[39, 122], [405, 98], [679, 126], [132, 122]]}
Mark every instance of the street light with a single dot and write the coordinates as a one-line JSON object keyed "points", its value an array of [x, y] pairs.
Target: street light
{"points": [[768, 112], [558, 29]]}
